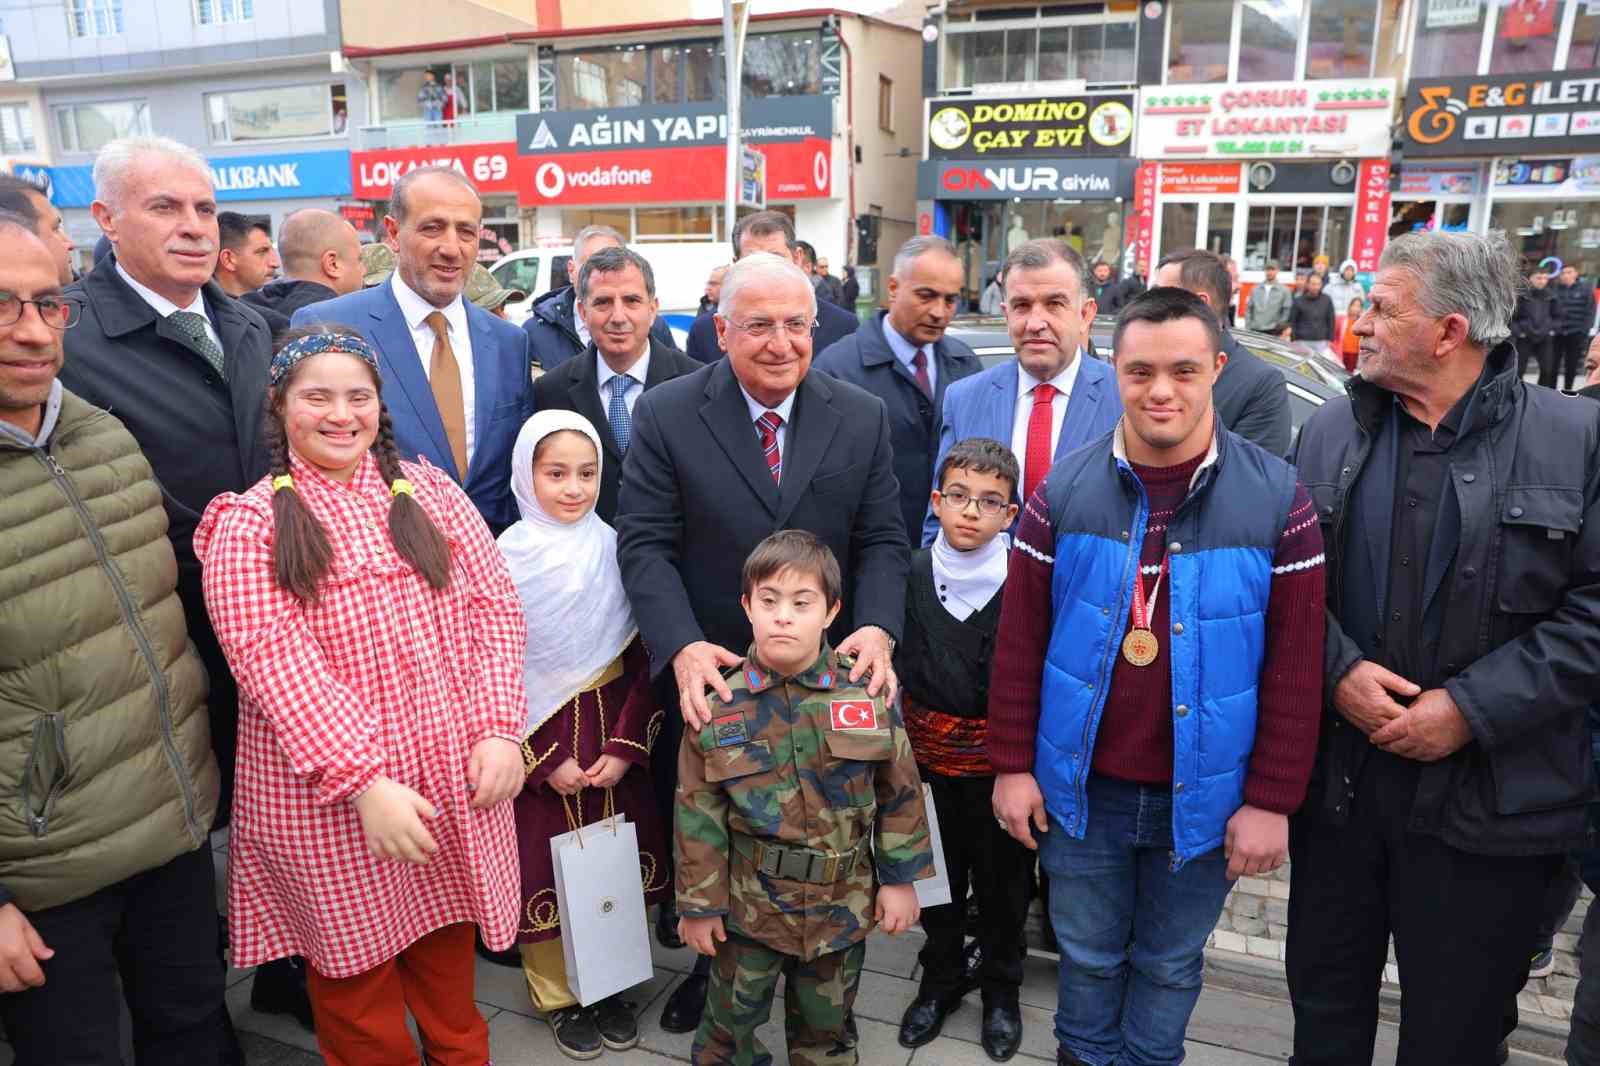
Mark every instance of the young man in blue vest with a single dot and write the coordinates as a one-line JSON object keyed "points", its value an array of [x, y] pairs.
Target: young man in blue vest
{"points": [[1157, 674]]}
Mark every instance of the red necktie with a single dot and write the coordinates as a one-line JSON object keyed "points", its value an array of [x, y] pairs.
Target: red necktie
{"points": [[767, 425], [1040, 454], [919, 363]]}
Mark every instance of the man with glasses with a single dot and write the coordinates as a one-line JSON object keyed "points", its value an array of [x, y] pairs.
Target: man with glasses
{"points": [[104, 871], [720, 459]]}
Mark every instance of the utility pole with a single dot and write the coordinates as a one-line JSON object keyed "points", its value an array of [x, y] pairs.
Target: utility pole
{"points": [[735, 19]]}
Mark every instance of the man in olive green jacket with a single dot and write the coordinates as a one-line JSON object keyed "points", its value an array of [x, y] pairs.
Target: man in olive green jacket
{"points": [[107, 780]]}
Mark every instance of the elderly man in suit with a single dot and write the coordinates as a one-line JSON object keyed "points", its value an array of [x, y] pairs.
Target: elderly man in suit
{"points": [[904, 358], [1050, 399], [616, 299], [726, 456], [458, 381], [770, 231]]}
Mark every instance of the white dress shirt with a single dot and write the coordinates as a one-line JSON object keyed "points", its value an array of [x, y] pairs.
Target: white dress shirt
{"points": [[638, 372], [783, 411], [906, 352], [164, 307], [1063, 382], [585, 338], [416, 311]]}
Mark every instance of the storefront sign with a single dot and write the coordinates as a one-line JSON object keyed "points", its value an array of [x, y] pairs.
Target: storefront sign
{"points": [[752, 178], [1142, 221], [35, 174], [236, 177], [1372, 214], [1437, 179], [1346, 117], [1442, 14], [794, 171], [1029, 179], [493, 168], [1199, 179], [768, 120], [1502, 114], [1548, 177], [1003, 127]]}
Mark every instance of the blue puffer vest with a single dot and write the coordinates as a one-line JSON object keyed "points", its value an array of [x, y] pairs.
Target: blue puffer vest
{"points": [[1221, 544]]}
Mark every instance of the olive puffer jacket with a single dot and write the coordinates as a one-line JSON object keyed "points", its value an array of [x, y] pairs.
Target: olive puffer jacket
{"points": [[106, 767]]}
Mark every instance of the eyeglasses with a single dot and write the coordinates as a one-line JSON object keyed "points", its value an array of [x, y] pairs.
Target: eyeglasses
{"points": [[988, 506], [762, 328], [54, 311]]}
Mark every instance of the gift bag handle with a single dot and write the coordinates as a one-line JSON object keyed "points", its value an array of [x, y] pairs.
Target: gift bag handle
{"points": [[575, 821]]}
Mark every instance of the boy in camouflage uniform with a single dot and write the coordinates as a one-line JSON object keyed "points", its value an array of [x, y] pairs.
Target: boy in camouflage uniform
{"points": [[779, 801]]}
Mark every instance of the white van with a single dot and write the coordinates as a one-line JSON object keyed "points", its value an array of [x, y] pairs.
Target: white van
{"points": [[681, 269]]}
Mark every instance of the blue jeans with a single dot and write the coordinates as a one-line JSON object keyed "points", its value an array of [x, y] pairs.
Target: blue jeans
{"points": [[1132, 929]]}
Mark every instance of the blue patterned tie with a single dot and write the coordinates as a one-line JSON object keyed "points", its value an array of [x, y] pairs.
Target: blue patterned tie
{"points": [[617, 413]]}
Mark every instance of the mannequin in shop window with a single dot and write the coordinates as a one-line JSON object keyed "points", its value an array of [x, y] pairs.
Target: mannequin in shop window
{"points": [[1017, 235]]}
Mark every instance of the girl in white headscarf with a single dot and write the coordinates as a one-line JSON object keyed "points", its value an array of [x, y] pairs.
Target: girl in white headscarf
{"points": [[592, 717]]}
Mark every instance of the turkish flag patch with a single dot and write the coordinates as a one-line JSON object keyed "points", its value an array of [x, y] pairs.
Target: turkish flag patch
{"points": [[854, 714]]}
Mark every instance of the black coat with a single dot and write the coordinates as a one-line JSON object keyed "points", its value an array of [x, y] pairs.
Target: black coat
{"points": [[575, 386], [1123, 293], [851, 292], [202, 435], [1311, 318], [695, 475], [1520, 627], [865, 359], [1574, 306], [277, 301], [1251, 399], [1535, 315], [1105, 293], [552, 329], [832, 324]]}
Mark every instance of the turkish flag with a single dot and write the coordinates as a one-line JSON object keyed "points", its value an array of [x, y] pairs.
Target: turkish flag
{"points": [[1528, 18], [854, 714]]}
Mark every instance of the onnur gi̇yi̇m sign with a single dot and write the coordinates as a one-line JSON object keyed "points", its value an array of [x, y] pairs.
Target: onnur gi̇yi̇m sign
{"points": [[979, 127]]}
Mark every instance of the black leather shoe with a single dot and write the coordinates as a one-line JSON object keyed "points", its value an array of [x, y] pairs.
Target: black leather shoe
{"points": [[1002, 1032], [923, 1019], [685, 1005], [619, 1029], [279, 987], [576, 1033], [667, 926]]}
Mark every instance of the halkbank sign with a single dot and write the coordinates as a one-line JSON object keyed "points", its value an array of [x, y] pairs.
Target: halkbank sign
{"points": [[287, 176]]}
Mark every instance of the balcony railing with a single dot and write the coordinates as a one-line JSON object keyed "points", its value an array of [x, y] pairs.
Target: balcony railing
{"points": [[411, 133]]}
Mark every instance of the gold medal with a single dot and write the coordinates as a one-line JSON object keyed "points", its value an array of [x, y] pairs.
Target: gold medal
{"points": [[1139, 647]]}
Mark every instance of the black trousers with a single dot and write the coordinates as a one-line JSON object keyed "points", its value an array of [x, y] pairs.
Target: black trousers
{"points": [[1462, 924], [158, 931], [1570, 349], [1541, 352], [982, 856]]}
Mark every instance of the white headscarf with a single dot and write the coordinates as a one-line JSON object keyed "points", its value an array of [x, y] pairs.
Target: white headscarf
{"points": [[567, 578], [965, 581]]}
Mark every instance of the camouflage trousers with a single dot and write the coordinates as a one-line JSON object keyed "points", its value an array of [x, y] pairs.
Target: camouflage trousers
{"points": [[817, 997]]}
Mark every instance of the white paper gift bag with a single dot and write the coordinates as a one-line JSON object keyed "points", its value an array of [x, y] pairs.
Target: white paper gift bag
{"points": [[933, 891], [605, 939]]}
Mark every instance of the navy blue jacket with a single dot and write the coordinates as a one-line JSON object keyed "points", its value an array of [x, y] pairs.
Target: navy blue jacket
{"points": [[833, 324], [552, 329], [864, 358], [1574, 306]]}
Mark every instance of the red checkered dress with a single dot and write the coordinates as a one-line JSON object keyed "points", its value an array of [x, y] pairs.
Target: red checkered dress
{"points": [[383, 675]]}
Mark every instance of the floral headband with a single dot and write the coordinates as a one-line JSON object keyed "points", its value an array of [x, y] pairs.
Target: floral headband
{"points": [[320, 344]]}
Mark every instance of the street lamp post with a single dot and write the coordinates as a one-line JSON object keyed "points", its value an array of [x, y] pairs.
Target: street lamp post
{"points": [[735, 19]]}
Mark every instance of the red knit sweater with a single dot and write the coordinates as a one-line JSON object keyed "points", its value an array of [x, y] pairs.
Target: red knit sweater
{"points": [[1134, 741]]}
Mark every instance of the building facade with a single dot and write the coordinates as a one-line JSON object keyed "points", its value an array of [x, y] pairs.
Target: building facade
{"points": [[256, 85]]}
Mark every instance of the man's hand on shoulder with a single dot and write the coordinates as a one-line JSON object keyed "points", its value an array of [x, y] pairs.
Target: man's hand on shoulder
{"points": [[873, 651], [21, 951], [696, 668], [1017, 800]]}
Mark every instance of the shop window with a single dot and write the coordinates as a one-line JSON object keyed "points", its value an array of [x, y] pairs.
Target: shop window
{"points": [[1093, 227], [1104, 52], [90, 127], [1179, 221], [1269, 35], [1340, 39], [1201, 35], [16, 129], [783, 64], [666, 75], [618, 218], [673, 223], [1219, 229], [1540, 229], [94, 18], [689, 73], [1525, 37], [612, 77], [1584, 53], [1091, 42], [283, 111], [1295, 236]]}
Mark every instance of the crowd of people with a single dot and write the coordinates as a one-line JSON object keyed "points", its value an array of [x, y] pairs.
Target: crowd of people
{"points": [[397, 591]]}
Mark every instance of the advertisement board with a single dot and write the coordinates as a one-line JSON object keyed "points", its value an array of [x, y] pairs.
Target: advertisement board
{"points": [[1506, 114], [1036, 179], [768, 120], [236, 177], [1342, 117], [977, 127]]}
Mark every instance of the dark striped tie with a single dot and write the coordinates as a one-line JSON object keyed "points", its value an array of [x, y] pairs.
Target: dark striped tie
{"points": [[767, 426]]}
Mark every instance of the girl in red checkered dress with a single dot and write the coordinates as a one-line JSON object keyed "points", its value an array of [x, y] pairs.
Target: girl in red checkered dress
{"points": [[377, 641]]}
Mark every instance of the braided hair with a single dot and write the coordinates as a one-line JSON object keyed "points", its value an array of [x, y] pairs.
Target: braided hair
{"points": [[301, 551]]}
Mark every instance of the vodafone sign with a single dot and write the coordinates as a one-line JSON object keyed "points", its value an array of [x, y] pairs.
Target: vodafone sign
{"points": [[796, 170]]}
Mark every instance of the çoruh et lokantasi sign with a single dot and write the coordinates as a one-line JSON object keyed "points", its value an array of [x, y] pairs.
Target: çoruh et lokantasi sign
{"points": [[1334, 118]]}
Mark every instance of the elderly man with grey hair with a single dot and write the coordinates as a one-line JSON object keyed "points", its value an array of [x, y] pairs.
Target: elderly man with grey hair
{"points": [[904, 358], [1461, 513], [556, 331], [724, 457]]}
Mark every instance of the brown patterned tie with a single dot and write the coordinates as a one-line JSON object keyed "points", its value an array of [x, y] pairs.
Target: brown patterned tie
{"points": [[444, 376]]}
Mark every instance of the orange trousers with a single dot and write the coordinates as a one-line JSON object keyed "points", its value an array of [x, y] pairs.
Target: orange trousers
{"points": [[361, 1020]]}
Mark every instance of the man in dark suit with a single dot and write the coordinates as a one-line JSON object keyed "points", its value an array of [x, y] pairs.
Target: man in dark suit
{"points": [[458, 381], [724, 457], [616, 298], [184, 366], [1249, 394], [904, 358], [770, 231], [556, 331]]}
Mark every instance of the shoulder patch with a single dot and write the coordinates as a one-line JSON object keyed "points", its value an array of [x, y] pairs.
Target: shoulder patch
{"points": [[853, 714], [728, 730]]}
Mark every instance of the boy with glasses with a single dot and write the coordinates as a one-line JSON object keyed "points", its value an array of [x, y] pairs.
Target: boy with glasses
{"points": [[952, 612]]}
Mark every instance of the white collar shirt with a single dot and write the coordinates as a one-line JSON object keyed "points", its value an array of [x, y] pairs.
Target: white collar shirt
{"points": [[783, 411], [1063, 383], [638, 372], [416, 311], [165, 307]]}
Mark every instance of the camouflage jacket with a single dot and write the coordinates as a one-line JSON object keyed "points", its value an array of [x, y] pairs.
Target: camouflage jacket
{"points": [[811, 762]]}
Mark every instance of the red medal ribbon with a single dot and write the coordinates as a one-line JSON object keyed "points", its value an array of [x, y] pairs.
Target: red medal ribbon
{"points": [[1141, 614]]}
